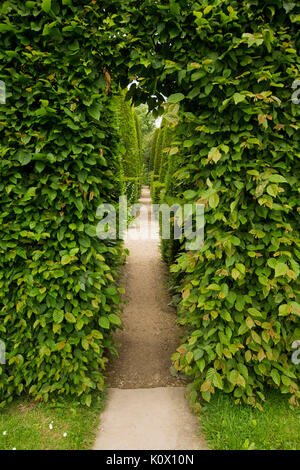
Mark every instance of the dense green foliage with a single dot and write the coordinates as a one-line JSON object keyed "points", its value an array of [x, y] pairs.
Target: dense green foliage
{"points": [[160, 152], [231, 65], [239, 155], [159, 147], [147, 127], [59, 161], [146, 120], [156, 189], [153, 149], [131, 140]]}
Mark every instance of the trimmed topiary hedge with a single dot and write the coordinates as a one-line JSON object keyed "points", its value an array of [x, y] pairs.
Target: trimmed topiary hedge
{"points": [[239, 295], [232, 66], [59, 296], [157, 188], [132, 189], [153, 148], [130, 133], [159, 150]]}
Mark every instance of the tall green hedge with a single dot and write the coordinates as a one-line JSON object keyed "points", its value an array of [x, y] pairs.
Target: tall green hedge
{"points": [[240, 158], [58, 161], [153, 148], [139, 138], [169, 122], [159, 150], [130, 133], [164, 161], [232, 66]]}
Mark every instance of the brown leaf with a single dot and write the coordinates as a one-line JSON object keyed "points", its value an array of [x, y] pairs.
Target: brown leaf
{"points": [[107, 79]]}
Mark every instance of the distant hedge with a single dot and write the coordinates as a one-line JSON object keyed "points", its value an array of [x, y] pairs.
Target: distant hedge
{"points": [[232, 66], [153, 149], [161, 151]]}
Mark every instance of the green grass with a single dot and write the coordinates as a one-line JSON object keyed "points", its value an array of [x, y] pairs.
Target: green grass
{"points": [[26, 425], [227, 426]]}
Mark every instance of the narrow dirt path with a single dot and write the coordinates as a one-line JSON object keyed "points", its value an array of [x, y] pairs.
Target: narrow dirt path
{"points": [[146, 408], [150, 335]]}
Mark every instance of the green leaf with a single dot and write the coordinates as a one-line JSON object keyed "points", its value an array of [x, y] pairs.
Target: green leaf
{"points": [[217, 380], [46, 5], [214, 200], [214, 154], [176, 98], [88, 400], [113, 318], [250, 323], [4, 27], [111, 290], [66, 259], [189, 357], [104, 322], [284, 310], [275, 376], [70, 317], [238, 98], [23, 157], [90, 230], [277, 179], [280, 269], [254, 312], [190, 194], [272, 189], [97, 334], [255, 337], [201, 364], [233, 376], [206, 395], [39, 166], [94, 111], [58, 316]]}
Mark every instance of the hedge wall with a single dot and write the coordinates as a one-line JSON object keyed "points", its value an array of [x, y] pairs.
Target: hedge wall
{"points": [[159, 150], [239, 295], [59, 160], [130, 133], [153, 148], [231, 65]]}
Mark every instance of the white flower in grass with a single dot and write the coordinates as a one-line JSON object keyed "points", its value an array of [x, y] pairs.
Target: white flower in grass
{"points": [[14, 448], [4, 433], [51, 426], [65, 434]]}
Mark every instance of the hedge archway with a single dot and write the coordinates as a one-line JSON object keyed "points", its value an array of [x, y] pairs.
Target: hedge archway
{"points": [[231, 65]]}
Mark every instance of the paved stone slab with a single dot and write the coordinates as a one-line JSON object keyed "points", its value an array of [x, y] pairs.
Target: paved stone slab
{"points": [[148, 419]]}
